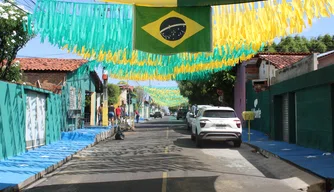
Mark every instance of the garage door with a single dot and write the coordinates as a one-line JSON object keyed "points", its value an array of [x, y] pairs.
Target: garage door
{"points": [[285, 118], [35, 119]]}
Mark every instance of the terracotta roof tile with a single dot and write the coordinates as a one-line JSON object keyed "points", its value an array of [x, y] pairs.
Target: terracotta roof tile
{"points": [[281, 60], [50, 64]]}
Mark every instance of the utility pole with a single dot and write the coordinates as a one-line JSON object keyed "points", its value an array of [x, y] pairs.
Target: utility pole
{"points": [[105, 98], [149, 103], [129, 96]]}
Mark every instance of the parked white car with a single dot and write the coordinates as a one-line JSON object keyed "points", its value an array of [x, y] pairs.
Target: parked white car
{"points": [[190, 116], [216, 124]]}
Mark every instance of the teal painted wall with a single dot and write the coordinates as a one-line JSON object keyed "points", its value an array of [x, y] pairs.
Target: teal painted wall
{"points": [[13, 109], [314, 118], [262, 123], [82, 82], [54, 118], [13, 114], [313, 79], [12, 120]]}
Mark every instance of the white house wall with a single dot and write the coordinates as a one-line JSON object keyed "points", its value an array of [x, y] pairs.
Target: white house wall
{"points": [[266, 71], [123, 96], [303, 66]]}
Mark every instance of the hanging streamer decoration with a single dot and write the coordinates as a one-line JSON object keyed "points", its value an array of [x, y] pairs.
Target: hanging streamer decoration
{"points": [[166, 96], [178, 3], [103, 32]]}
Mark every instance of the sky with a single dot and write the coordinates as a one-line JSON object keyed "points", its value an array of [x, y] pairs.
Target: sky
{"points": [[35, 48]]}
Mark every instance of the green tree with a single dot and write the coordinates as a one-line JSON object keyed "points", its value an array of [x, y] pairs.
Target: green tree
{"points": [[173, 109], [205, 91], [13, 37], [113, 93], [317, 46], [140, 97], [299, 44]]}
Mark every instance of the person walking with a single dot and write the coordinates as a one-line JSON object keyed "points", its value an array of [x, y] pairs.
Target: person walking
{"points": [[99, 114], [111, 114], [137, 116], [118, 113]]}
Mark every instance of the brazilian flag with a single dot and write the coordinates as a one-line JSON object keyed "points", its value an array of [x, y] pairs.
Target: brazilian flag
{"points": [[172, 30]]}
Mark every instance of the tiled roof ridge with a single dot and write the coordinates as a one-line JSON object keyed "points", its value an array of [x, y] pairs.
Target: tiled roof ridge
{"points": [[284, 53], [281, 61], [50, 64]]}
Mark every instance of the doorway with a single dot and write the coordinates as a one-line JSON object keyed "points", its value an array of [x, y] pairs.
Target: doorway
{"points": [[35, 119], [285, 117], [87, 111]]}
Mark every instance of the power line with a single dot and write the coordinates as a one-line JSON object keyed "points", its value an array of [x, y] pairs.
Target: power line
{"points": [[14, 4]]}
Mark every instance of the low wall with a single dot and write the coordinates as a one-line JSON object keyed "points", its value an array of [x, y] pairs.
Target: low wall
{"points": [[13, 118]]}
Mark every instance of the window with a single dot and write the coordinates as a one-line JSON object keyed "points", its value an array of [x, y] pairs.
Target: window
{"points": [[219, 114]]}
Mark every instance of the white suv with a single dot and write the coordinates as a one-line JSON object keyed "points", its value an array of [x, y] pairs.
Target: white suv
{"points": [[217, 124], [190, 116]]}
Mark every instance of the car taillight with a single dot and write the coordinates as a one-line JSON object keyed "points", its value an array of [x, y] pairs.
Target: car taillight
{"points": [[238, 123]]}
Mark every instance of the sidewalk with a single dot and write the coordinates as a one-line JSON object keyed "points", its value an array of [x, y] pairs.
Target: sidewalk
{"points": [[312, 160], [19, 171]]}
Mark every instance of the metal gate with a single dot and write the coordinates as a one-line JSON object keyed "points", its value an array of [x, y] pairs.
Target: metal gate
{"points": [[35, 119], [285, 117]]}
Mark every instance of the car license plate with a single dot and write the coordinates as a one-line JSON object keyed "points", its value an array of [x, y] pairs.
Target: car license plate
{"points": [[221, 126]]}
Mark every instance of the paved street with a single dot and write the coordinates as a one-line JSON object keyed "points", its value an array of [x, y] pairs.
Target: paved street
{"points": [[160, 156]]}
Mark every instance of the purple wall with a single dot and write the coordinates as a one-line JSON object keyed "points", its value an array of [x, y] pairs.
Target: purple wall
{"points": [[240, 91]]}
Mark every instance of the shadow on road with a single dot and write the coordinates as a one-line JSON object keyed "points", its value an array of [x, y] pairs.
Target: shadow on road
{"points": [[132, 163], [182, 130], [248, 153], [161, 124], [164, 122], [188, 143], [193, 184], [150, 126]]}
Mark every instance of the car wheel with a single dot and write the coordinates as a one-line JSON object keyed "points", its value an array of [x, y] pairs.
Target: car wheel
{"points": [[198, 141], [237, 143], [177, 118], [192, 137]]}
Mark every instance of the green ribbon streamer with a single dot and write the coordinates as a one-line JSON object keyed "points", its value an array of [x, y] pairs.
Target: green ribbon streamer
{"points": [[108, 27]]}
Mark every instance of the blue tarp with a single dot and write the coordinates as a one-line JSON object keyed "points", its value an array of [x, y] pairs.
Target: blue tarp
{"points": [[313, 160], [17, 169]]}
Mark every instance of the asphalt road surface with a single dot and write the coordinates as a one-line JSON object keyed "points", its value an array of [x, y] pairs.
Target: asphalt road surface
{"points": [[160, 157]]}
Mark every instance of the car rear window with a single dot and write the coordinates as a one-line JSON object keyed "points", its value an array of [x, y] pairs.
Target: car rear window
{"points": [[219, 114]]}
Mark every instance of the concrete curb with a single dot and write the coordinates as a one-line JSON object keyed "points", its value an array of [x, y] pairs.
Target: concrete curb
{"points": [[98, 138], [316, 187]]}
